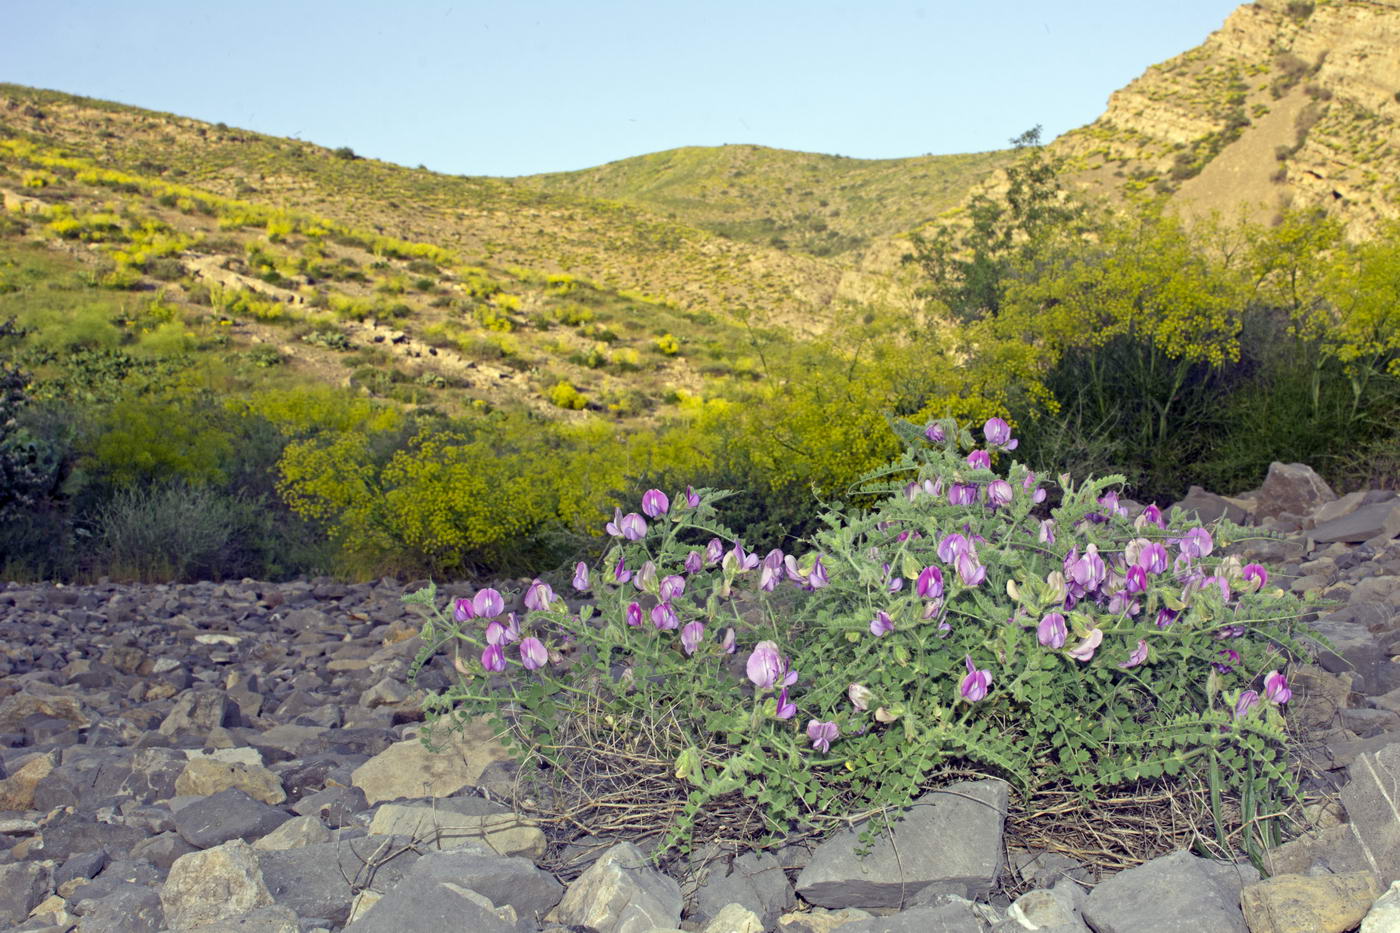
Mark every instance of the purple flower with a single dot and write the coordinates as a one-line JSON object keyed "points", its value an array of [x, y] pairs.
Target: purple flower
{"points": [[859, 696], [664, 617], [580, 580], [962, 494], [974, 685], [1137, 657], [498, 634], [714, 552], [1276, 688], [1231, 656], [998, 434], [691, 635], [614, 527], [1051, 632], [1109, 501], [694, 562], [533, 654], [740, 559], [1084, 651], [1165, 617], [727, 643], [1256, 575], [1150, 516], [934, 432], [671, 587], [645, 579], [539, 596], [1135, 581], [772, 571], [767, 668], [620, 572], [634, 614], [692, 498], [969, 570], [1196, 543], [488, 604], [822, 734], [1047, 531], [930, 583], [816, 578], [462, 609], [951, 546], [882, 624], [1246, 700], [1149, 555], [784, 708], [979, 460], [1088, 572], [633, 527], [655, 503], [493, 658], [999, 492]]}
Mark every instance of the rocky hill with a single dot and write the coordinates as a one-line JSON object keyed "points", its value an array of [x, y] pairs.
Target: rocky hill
{"points": [[1289, 103]]}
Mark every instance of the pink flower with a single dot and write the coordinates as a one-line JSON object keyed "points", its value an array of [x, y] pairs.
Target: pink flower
{"points": [[1137, 657], [532, 653], [488, 604], [1196, 543], [1246, 700], [671, 587], [951, 546], [1085, 649], [1051, 631], [664, 617], [935, 433], [1255, 574], [694, 562], [580, 580], [969, 570], [1136, 579], [1276, 688], [714, 551], [692, 498], [962, 494], [974, 685], [767, 668], [930, 583], [772, 571], [655, 503], [1150, 516], [882, 624], [822, 734], [539, 596], [691, 635], [727, 644], [633, 527], [999, 492], [462, 609], [998, 434], [493, 658], [784, 708], [979, 460], [634, 614]]}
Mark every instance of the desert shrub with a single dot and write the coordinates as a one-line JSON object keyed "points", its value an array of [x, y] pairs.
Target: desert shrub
{"points": [[668, 344], [951, 626], [564, 395], [176, 531]]}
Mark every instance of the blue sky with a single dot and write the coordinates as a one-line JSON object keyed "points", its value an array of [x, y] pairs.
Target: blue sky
{"points": [[511, 88]]}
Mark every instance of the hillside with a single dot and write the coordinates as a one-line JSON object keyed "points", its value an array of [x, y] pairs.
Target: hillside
{"points": [[1289, 103], [824, 205]]}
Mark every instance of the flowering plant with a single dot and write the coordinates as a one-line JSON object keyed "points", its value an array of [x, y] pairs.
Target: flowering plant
{"points": [[959, 622]]}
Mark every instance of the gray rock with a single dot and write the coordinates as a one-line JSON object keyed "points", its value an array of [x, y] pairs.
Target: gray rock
{"points": [[130, 909], [1208, 507], [262, 920], [229, 814], [23, 885], [320, 880], [1385, 913], [1048, 911], [754, 880], [1176, 893], [1363, 524], [162, 849], [619, 893], [424, 905], [950, 837], [946, 918], [335, 806], [199, 711], [1371, 799], [1355, 649], [1294, 488], [500, 879]]}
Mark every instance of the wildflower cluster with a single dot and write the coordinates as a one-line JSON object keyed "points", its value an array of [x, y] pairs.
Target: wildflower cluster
{"points": [[960, 621]]}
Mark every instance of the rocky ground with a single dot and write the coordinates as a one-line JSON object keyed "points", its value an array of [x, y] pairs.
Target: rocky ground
{"points": [[243, 756]]}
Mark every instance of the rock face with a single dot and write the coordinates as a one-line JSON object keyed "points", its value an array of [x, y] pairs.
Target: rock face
{"points": [[246, 757]]}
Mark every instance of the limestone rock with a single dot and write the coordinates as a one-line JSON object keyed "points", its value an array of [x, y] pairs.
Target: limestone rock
{"points": [[506, 833], [620, 894], [297, 832], [1187, 895], [1294, 488], [17, 790], [23, 886], [1384, 916], [409, 769], [1309, 904], [734, 918], [1372, 800], [819, 919], [213, 885], [204, 776]]}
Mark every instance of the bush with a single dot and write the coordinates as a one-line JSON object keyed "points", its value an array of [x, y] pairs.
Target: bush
{"points": [[564, 395], [950, 627]]}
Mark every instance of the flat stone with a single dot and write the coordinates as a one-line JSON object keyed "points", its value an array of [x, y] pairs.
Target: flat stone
{"points": [[819, 919], [1309, 904], [1372, 801], [17, 790], [409, 769], [229, 814], [950, 837], [945, 918], [296, 833], [1206, 507], [23, 886], [1384, 916], [1364, 524], [1338, 508], [423, 905], [754, 880], [505, 833], [262, 920], [130, 909], [504, 881], [320, 880], [734, 918], [1186, 894], [213, 885]]}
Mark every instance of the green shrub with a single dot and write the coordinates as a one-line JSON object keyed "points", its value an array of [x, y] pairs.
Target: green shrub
{"points": [[564, 395], [1084, 651]]}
